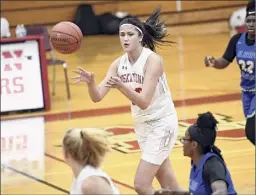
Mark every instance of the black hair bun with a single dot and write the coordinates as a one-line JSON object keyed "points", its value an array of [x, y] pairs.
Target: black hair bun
{"points": [[250, 6], [207, 120]]}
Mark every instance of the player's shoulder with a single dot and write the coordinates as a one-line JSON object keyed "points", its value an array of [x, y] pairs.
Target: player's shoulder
{"points": [[154, 63], [95, 185], [154, 57], [236, 37], [116, 62], [91, 183], [212, 159], [213, 162]]}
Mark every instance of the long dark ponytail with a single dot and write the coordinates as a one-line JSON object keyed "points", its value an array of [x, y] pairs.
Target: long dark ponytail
{"points": [[213, 149], [153, 29]]}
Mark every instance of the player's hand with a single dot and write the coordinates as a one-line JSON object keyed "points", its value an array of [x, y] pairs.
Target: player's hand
{"points": [[114, 82], [209, 61], [83, 76]]}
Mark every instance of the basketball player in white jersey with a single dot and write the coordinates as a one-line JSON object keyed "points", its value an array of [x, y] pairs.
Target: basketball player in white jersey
{"points": [[84, 153], [139, 75]]}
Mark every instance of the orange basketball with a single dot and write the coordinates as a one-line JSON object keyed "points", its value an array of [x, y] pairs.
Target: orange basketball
{"points": [[66, 37]]}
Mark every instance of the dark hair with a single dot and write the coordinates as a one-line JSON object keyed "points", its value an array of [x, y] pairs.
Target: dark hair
{"points": [[153, 29], [204, 132], [250, 7]]}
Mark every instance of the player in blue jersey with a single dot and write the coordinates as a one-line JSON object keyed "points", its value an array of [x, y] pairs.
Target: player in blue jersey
{"points": [[209, 173], [242, 46]]}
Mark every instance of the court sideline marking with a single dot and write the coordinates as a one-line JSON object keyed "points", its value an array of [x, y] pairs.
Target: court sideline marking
{"points": [[117, 182], [37, 179], [125, 109]]}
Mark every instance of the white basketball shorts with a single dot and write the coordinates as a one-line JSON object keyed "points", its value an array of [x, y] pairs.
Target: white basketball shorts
{"points": [[156, 138]]}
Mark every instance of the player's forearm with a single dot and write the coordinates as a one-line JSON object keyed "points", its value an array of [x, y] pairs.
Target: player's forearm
{"points": [[94, 92], [221, 63], [219, 187], [220, 192], [135, 97]]}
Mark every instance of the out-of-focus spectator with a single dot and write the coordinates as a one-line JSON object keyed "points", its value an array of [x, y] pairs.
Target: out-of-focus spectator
{"points": [[237, 21], [5, 29]]}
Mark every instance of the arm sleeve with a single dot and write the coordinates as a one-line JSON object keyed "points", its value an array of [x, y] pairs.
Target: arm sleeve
{"points": [[230, 52], [214, 170]]}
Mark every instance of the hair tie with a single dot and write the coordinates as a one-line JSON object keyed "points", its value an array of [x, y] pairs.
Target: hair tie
{"points": [[250, 13]]}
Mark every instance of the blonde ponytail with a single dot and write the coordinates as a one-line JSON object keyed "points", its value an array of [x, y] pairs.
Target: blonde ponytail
{"points": [[85, 148]]}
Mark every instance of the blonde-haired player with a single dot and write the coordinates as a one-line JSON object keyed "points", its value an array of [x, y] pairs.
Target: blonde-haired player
{"points": [[84, 154], [139, 75]]}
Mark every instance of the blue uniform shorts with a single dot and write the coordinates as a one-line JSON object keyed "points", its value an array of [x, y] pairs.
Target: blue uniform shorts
{"points": [[248, 99]]}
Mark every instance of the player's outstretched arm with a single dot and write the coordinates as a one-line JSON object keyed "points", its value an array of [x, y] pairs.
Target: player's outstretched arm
{"points": [[228, 56], [219, 63], [96, 92]]}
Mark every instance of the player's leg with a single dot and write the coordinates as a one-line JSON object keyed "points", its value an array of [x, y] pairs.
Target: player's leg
{"points": [[165, 174], [144, 177], [246, 100], [250, 129], [250, 121], [155, 151], [146, 171]]}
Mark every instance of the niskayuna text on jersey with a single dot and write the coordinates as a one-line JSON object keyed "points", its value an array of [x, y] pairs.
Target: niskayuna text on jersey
{"points": [[132, 77]]}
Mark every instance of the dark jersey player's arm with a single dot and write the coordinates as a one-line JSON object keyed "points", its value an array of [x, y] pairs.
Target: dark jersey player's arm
{"points": [[214, 174], [229, 54]]}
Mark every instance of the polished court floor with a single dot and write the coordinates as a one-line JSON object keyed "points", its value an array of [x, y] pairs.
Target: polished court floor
{"points": [[31, 157]]}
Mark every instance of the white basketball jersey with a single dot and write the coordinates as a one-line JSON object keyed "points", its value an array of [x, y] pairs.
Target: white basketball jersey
{"points": [[133, 76], [87, 171]]}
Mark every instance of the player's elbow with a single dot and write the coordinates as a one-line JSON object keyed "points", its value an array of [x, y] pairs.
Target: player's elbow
{"points": [[144, 105], [96, 100], [220, 192]]}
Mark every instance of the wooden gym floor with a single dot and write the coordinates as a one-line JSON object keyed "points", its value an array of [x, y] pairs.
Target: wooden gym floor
{"points": [[38, 167]]}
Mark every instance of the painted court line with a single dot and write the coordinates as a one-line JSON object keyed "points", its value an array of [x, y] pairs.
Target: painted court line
{"points": [[37, 179], [117, 182], [126, 109]]}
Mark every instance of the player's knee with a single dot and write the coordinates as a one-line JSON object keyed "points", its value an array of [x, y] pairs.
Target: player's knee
{"points": [[140, 186], [250, 129]]}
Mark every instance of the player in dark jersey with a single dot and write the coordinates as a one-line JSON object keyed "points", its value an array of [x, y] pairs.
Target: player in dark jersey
{"points": [[209, 173], [242, 46]]}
